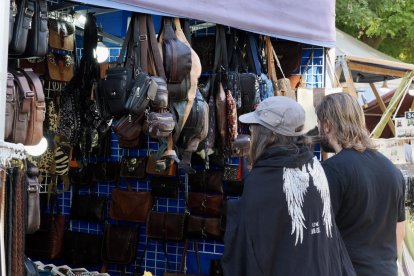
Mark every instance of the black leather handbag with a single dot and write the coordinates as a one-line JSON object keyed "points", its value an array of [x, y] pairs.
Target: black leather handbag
{"points": [[22, 24], [38, 38], [143, 90], [82, 248], [165, 186], [120, 244], [88, 208], [116, 88]]}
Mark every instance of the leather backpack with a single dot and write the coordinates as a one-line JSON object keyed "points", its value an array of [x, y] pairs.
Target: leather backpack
{"points": [[22, 24]]}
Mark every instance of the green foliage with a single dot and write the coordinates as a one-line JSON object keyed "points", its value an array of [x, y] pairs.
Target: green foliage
{"points": [[384, 24]]}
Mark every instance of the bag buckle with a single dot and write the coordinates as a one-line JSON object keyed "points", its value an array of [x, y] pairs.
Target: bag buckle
{"points": [[28, 12], [14, 8], [143, 37]]}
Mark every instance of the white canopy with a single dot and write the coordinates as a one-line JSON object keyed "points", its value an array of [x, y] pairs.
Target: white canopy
{"points": [[311, 22]]}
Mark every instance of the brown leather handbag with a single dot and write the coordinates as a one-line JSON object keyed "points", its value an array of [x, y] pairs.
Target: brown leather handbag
{"points": [[165, 226], [61, 34], [133, 167], [60, 67], [128, 129], [119, 244], [163, 167], [204, 204], [204, 228], [130, 205], [206, 181]]}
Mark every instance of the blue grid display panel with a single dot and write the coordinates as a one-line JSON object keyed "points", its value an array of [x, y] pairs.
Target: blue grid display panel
{"points": [[155, 259]]}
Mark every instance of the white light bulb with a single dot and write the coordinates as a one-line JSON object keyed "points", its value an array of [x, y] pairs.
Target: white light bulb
{"points": [[38, 149], [102, 52]]}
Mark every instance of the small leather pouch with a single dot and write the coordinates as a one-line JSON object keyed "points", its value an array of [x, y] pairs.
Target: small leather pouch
{"points": [[161, 98], [88, 208], [143, 90], [133, 167], [204, 228], [82, 248], [204, 204], [160, 125], [206, 181], [241, 146], [128, 129], [162, 167], [60, 67], [130, 205], [119, 244], [165, 186], [61, 34], [165, 226]]}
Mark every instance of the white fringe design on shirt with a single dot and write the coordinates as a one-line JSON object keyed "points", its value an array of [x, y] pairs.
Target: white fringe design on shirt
{"points": [[295, 185], [321, 184]]}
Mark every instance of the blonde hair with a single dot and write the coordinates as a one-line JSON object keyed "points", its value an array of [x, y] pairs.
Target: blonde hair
{"points": [[343, 113], [262, 138]]}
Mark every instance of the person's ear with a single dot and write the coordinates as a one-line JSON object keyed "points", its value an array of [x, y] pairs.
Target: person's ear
{"points": [[326, 126]]}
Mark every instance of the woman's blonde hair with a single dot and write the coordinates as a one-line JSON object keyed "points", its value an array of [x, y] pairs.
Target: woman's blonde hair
{"points": [[343, 113], [262, 138]]}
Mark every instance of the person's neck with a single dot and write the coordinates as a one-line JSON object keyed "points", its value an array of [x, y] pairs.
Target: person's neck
{"points": [[336, 146]]}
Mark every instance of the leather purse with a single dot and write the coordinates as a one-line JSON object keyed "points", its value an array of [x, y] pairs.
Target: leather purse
{"points": [[61, 34], [38, 37], [133, 167], [206, 181], [241, 146], [119, 244], [60, 67], [33, 199], [204, 228], [159, 125], [128, 129], [22, 24], [248, 86], [88, 208], [165, 186], [161, 167], [143, 91], [130, 205], [161, 98], [177, 55], [165, 226], [82, 248], [116, 88], [47, 242], [204, 204]]}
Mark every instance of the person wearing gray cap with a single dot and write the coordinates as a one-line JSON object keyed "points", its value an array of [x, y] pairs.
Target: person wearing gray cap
{"points": [[283, 223], [367, 190]]}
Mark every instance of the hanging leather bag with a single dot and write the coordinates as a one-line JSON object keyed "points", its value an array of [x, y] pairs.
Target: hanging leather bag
{"points": [[204, 204], [22, 24], [130, 205], [60, 67], [88, 208], [204, 228], [128, 129], [177, 55], [119, 244], [37, 41], [159, 125], [33, 200], [165, 226], [143, 91], [133, 167], [37, 109], [164, 186], [206, 181], [61, 34], [82, 248]]}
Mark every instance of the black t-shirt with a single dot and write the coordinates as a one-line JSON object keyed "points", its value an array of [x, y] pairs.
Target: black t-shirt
{"points": [[367, 193], [283, 224]]}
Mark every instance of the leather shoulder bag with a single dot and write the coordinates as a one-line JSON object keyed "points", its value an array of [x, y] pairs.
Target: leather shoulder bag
{"points": [[165, 226], [22, 24], [37, 42], [119, 244]]}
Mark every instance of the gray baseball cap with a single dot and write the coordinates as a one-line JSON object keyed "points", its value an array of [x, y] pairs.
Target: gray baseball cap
{"points": [[279, 114]]}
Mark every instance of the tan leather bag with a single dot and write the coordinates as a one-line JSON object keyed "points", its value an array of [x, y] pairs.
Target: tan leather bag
{"points": [[61, 34], [60, 67]]}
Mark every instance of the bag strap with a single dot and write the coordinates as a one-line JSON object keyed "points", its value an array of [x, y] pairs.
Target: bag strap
{"points": [[184, 255], [37, 84], [252, 54], [127, 39], [154, 47], [25, 93], [141, 37], [168, 29]]}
